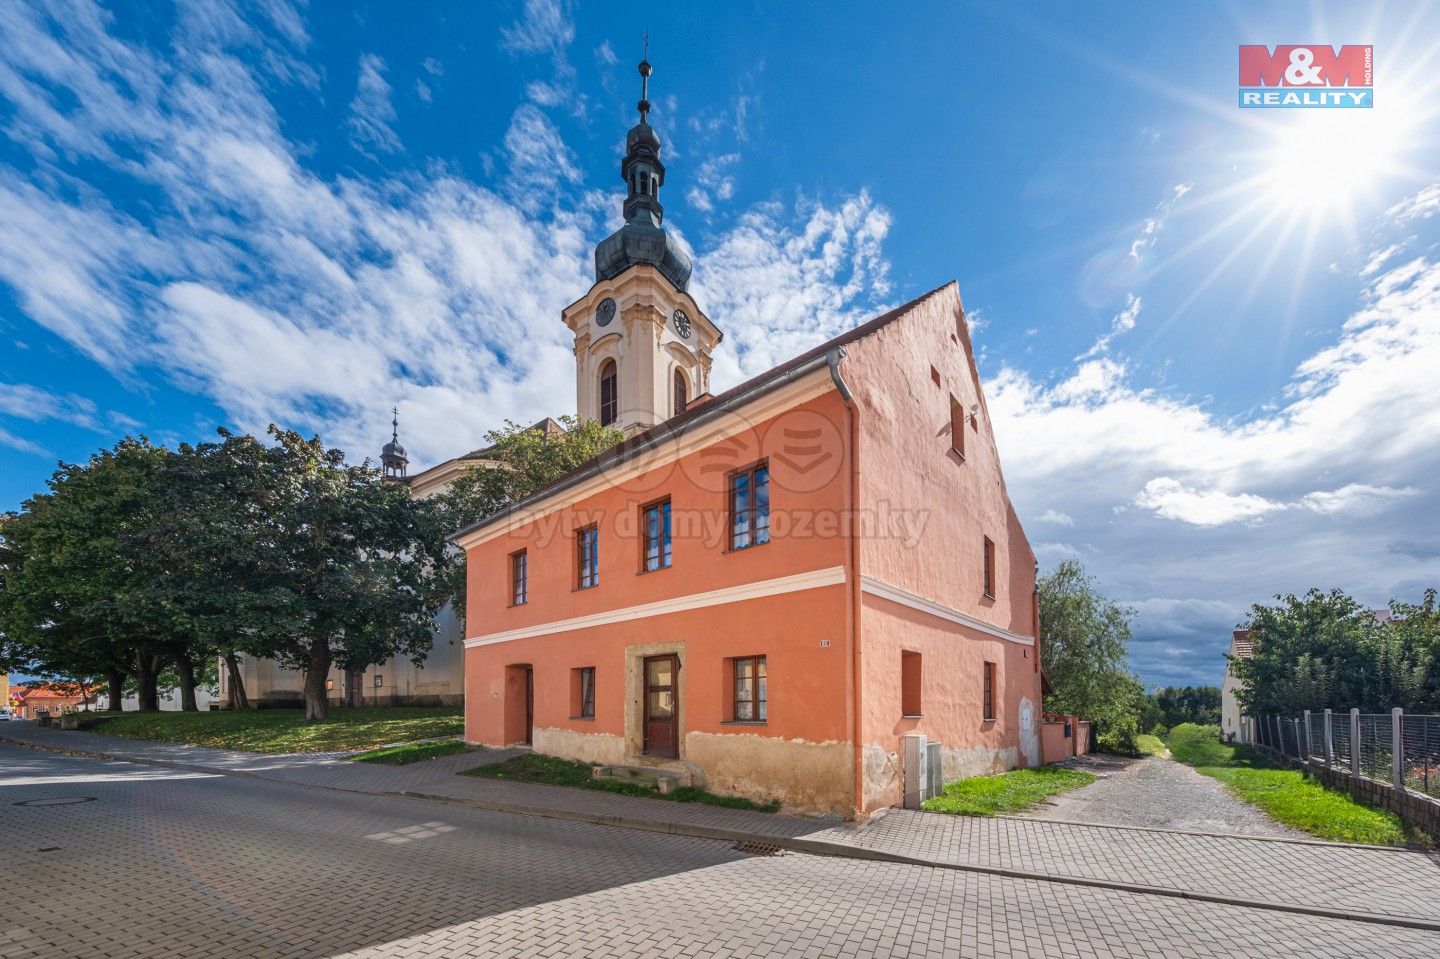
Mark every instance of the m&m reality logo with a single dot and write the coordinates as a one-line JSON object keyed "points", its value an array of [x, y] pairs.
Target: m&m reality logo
{"points": [[1311, 75]]}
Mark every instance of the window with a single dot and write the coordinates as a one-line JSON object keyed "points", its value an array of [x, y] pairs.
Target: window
{"points": [[750, 507], [379, 680], [582, 692], [750, 690], [957, 427], [989, 692], [989, 561], [609, 393], [910, 680], [682, 393], [519, 579], [587, 557], [655, 536]]}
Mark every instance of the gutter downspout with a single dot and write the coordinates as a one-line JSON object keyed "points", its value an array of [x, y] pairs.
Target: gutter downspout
{"points": [[833, 358]]}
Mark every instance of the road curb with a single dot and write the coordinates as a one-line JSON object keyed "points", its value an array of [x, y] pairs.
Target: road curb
{"points": [[816, 847]]}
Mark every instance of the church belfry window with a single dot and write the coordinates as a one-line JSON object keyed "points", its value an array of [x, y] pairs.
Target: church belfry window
{"points": [[682, 393], [609, 393]]}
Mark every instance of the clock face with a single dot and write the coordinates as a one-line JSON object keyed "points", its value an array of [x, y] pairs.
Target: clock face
{"points": [[682, 323], [605, 312]]}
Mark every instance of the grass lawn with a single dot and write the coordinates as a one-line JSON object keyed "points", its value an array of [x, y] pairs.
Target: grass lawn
{"points": [[1285, 794], [286, 731], [1150, 745], [411, 753], [1014, 791], [533, 768]]}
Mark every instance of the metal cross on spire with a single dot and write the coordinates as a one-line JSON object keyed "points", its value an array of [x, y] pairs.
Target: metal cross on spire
{"points": [[395, 424], [645, 71]]}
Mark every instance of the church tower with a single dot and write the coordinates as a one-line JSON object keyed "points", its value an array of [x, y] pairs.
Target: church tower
{"points": [[393, 460], [642, 345]]}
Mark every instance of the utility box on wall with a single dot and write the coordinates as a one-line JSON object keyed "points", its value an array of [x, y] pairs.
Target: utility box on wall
{"points": [[924, 771]]}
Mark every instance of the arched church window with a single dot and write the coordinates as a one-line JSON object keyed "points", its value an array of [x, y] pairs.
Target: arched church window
{"points": [[609, 393], [682, 393]]}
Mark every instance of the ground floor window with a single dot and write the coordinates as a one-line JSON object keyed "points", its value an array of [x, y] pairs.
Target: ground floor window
{"points": [[750, 689], [582, 692], [989, 692]]}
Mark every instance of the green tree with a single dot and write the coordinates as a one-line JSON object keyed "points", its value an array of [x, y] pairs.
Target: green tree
{"points": [[360, 562], [1085, 638], [76, 602], [525, 458]]}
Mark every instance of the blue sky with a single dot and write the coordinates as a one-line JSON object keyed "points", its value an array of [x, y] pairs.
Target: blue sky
{"points": [[1209, 336]]}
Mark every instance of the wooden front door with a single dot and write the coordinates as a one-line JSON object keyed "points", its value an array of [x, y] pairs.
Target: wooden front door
{"points": [[662, 706]]}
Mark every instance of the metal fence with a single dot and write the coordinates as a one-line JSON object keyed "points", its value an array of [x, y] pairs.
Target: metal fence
{"points": [[1394, 747]]}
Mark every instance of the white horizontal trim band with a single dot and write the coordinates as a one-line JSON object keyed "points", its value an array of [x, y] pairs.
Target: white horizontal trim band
{"points": [[904, 597], [814, 579]]}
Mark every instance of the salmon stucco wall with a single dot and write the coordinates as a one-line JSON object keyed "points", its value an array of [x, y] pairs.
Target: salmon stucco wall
{"points": [[803, 753], [930, 510]]}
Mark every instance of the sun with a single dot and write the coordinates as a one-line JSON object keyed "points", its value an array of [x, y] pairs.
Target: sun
{"points": [[1327, 162]]}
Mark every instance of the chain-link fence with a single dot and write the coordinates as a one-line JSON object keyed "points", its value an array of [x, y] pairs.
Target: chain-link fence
{"points": [[1365, 742]]}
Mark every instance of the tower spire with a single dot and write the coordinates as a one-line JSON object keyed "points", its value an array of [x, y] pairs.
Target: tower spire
{"points": [[393, 460], [645, 71]]}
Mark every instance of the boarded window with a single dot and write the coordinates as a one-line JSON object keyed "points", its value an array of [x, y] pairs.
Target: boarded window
{"points": [[989, 560], [682, 393], [911, 677], [989, 696]]}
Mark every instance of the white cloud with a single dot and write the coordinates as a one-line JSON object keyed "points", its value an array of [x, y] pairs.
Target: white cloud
{"points": [[1124, 322], [605, 54], [778, 287], [544, 27], [371, 112], [714, 182], [28, 402], [1172, 500], [21, 444], [1056, 517]]}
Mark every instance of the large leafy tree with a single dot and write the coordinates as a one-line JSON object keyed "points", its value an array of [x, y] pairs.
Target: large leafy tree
{"points": [[523, 459], [1086, 639], [1325, 650], [77, 601], [359, 562]]}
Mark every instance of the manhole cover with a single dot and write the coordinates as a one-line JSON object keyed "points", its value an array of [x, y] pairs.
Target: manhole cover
{"points": [[56, 801], [757, 848]]}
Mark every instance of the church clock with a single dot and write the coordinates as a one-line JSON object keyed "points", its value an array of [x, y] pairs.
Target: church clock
{"points": [[682, 323], [605, 312]]}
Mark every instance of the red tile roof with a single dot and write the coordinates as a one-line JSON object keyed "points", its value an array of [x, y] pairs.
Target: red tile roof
{"points": [[1241, 645]]}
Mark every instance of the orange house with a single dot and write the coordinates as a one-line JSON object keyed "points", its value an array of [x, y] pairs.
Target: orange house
{"points": [[763, 591]]}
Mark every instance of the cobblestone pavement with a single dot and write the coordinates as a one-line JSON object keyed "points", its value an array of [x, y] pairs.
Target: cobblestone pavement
{"points": [[1160, 794], [1351, 880], [163, 862]]}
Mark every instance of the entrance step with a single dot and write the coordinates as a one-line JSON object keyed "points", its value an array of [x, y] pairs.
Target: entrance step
{"points": [[665, 780]]}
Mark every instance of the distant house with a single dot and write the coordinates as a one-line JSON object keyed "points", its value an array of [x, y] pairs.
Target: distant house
{"points": [[1233, 725], [37, 700], [439, 680]]}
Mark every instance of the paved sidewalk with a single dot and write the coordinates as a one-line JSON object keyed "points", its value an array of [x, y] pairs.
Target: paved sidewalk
{"points": [[1324, 879]]}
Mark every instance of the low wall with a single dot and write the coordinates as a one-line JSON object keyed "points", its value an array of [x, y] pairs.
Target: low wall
{"points": [[1418, 809], [1415, 808], [1062, 737]]}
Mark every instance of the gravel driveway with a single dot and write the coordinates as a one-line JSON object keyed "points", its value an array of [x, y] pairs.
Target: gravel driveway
{"points": [[1160, 794]]}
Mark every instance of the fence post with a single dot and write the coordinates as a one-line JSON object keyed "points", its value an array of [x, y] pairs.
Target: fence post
{"points": [[1299, 752], [1309, 746], [1397, 747], [1354, 741], [1329, 742]]}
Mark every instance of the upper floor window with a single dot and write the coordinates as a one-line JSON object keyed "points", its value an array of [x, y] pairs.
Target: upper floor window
{"points": [[749, 704], [989, 560], [957, 427], [609, 393], [587, 557], [519, 578], [655, 532], [682, 393], [750, 506]]}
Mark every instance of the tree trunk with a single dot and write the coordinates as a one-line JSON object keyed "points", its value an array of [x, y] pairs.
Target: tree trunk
{"points": [[238, 699], [185, 669], [354, 688], [147, 673], [115, 679], [317, 700]]}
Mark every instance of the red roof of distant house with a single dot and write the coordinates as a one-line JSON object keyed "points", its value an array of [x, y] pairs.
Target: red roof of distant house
{"points": [[1242, 644]]}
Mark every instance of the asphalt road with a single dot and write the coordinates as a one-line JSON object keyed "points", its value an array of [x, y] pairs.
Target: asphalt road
{"points": [[158, 862]]}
